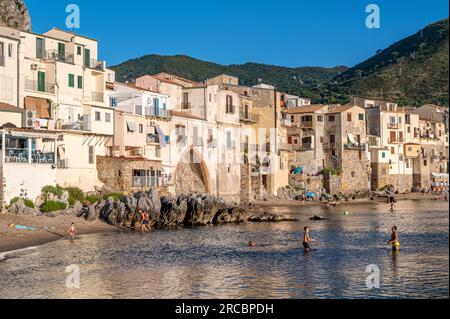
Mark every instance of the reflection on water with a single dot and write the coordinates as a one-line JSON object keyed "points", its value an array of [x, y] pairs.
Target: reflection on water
{"points": [[215, 262]]}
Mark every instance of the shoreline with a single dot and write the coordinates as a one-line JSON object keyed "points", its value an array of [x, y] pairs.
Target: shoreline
{"points": [[13, 240]]}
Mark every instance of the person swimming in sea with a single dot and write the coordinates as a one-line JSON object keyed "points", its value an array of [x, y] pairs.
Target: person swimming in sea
{"points": [[252, 244], [395, 240], [306, 240]]}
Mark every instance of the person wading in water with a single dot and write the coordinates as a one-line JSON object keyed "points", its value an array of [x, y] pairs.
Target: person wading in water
{"points": [[145, 221]]}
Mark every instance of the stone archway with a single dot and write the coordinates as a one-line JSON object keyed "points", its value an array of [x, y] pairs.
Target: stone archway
{"points": [[191, 175]]}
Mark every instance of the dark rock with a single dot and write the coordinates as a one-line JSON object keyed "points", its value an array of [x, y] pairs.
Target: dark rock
{"points": [[271, 218], [317, 218]]}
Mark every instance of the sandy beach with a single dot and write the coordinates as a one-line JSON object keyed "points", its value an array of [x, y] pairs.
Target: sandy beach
{"points": [[47, 230]]}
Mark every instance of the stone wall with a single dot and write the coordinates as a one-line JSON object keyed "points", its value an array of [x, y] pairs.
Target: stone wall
{"points": [[189, 179], [2, 185], [305, 183], [380, 178], [117, 172], [355, 172]]}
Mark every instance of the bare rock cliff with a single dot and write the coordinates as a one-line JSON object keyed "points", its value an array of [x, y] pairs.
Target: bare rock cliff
{"points": [[14, 14]]}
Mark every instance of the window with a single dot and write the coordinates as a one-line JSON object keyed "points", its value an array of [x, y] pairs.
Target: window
{"points": [[78, 50], [71, 80], [408, 129], [91, 155], [98, 116], [383, 155], [107, 117], [307, 118], [113, 101], [80, 82], [361, 116], [40, 47], [332, 139], [185, 105], [392, 137], [210, 97], [425, 163], [229, 104], [408, 118], [141, 128], [229, 140], [10, 50], [2, 60], [322, 140], [408, 164], [319, 118], [331, 118], [393, 150], [349, 117], [41, 81]]}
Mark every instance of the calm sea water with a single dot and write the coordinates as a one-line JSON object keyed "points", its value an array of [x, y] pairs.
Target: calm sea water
{"points": [[215, 262]]}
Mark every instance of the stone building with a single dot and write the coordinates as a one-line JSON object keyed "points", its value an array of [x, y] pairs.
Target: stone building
{"points": [[346, 149]]}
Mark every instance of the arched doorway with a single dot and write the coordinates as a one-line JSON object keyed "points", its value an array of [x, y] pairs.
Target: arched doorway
{"points": [[191, 175]]}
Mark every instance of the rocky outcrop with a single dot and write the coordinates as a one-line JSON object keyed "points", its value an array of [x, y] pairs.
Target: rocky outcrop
{"points": [[19, 208], [15, 14], [271, 218], [166, 212]]}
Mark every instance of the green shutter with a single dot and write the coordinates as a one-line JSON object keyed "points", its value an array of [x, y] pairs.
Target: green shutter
{"points": [[80, 82], [41, 81], [61, 50], [87, 58], [71, 80]]}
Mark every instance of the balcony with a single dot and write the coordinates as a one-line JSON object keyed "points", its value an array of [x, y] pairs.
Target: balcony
{"points": [[2, 60], [303, 148], [157, 112], [393, 125], [248, 117], [54, 55], [153, 139], [197, 141], [95, 65], [37, 86], [98, 97], [285, 147], [63, 163], [351, 146], [307, 124], [76, 126], [396, 141], [147, 181]]}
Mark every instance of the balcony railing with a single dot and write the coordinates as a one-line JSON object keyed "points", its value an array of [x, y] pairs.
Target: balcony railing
{"points": [[97, 96], [396, 141], [285, 147], [94, 64], [393, 125], [248, 117], [76, 126], [351, 146], [286, 122], [63, 163], [303, 147], [147, 181], [157, 112], [2, 60], [307, 124], [54, 55], [16, 155], [197, 141], [39, 86], [152, 139]]}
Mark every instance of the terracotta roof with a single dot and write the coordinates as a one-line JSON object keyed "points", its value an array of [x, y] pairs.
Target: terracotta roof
{"points": [[166, 80], [305, 109], [10, 108], [186, 115], [133, 86]]}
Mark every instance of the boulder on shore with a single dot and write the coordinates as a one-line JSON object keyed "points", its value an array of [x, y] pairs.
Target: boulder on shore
{"points": [[271, 218]]}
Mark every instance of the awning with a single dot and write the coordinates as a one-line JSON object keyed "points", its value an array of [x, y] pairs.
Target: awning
{"points": [[162, 136], [132, 126], [352, 139], [33, 134]]}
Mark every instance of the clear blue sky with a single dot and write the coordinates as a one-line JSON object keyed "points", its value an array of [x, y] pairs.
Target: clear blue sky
{"points": [[281, 32]]}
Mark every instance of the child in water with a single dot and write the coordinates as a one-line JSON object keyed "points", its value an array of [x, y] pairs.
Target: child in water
{"points": [[307, 240], [394, 242], [72, 231]]}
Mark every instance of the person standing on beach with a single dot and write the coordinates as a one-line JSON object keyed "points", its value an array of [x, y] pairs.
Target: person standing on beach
{"points": [[72, 231], [145, 221]]}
